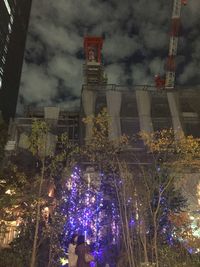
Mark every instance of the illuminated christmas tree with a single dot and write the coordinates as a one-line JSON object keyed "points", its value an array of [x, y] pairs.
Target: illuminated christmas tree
{"points": [[89, 204]]}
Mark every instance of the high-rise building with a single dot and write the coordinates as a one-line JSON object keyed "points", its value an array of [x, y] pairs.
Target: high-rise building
{"points": [[14, 18]]}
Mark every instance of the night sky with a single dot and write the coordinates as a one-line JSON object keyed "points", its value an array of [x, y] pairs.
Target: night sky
{"points": [[136, 44]]}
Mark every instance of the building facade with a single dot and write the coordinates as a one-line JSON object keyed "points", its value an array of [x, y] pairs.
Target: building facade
{"points": [[14, 18], [60, 122], [143, 108]]}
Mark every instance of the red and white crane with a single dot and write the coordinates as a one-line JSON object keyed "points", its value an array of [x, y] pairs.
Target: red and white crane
{"points": [[169, 81]]}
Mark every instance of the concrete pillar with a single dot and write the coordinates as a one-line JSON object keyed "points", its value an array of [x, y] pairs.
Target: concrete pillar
{"points": [[88, 100], [144, 110], [50, 144], [114, 107], [174, 109], [23, 141], [51, 115]]}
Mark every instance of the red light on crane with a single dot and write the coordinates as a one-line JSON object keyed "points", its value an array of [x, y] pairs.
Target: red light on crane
{"points": [[92, 47]]}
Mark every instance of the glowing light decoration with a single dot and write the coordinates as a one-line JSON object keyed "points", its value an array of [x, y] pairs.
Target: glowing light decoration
{"points": [[7, 6], [90, 209], [198, 193], [63, 261]]}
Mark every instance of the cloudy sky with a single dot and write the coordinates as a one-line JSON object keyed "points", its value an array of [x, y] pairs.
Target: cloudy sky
{"points": [[136, 44]]}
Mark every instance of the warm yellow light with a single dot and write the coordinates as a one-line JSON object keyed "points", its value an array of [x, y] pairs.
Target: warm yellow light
{"points": [[10, 192], [198, 193], [63, 261], [46, 209]]}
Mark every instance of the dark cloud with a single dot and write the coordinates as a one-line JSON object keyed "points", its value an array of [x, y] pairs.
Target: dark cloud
{"points": [[135, 48]]}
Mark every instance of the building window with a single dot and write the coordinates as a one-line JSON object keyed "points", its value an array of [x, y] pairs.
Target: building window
{"points": [[192, 127], [130, 126], [161, 123], [7, 6], [9, 28], [11, 19], [1, 71], [2, 39], [129, 106], [7, 38], [186, 105], [3, 60], [160, 113], [0, 82], [160, 107], [6, 49]]}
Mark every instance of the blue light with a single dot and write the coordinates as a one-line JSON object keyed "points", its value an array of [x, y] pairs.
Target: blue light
{"points": [[90, 212]]}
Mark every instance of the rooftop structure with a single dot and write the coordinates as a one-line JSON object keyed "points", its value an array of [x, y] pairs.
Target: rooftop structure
{"points": [[93, 67]]}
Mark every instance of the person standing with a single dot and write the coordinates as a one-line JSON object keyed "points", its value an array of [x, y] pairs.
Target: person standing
{"points": [[81, 249], [72, 257]]}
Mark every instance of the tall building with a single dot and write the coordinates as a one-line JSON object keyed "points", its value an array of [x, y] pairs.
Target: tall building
{"points": [[14, 18], [136, 108]]}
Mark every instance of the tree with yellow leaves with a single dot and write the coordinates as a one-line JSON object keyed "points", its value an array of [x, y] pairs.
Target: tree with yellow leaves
{"points": [[141, 188], [177, 156]]}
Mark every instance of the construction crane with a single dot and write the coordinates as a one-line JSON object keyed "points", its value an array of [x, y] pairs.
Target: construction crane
{"points": [[169, 81]]}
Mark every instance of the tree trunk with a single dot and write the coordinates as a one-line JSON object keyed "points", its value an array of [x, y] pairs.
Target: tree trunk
{"points": [[155, 242], [34, 250], [143, 239], [50, 250], [155, 238]]}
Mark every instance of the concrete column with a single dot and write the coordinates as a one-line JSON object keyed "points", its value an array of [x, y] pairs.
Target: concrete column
{"points": [[23, 141], [144, 110], [88, 100], [50, 144], [174, 109], [51, 115], [114, 107]]}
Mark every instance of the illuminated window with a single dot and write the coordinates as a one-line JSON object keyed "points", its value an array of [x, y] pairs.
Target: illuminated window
{"points": [[198, 193], [0, 82], [1, 70], [8, 38], [3, 60], [7, 6], [9, 28], [11, 19], [6, 49]]}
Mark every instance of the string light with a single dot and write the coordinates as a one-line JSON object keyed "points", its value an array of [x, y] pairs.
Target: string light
{"points": [[90, 211]]}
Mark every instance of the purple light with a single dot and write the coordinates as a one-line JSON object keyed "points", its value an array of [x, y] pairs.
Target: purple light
{"points": [[87, 212]]}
